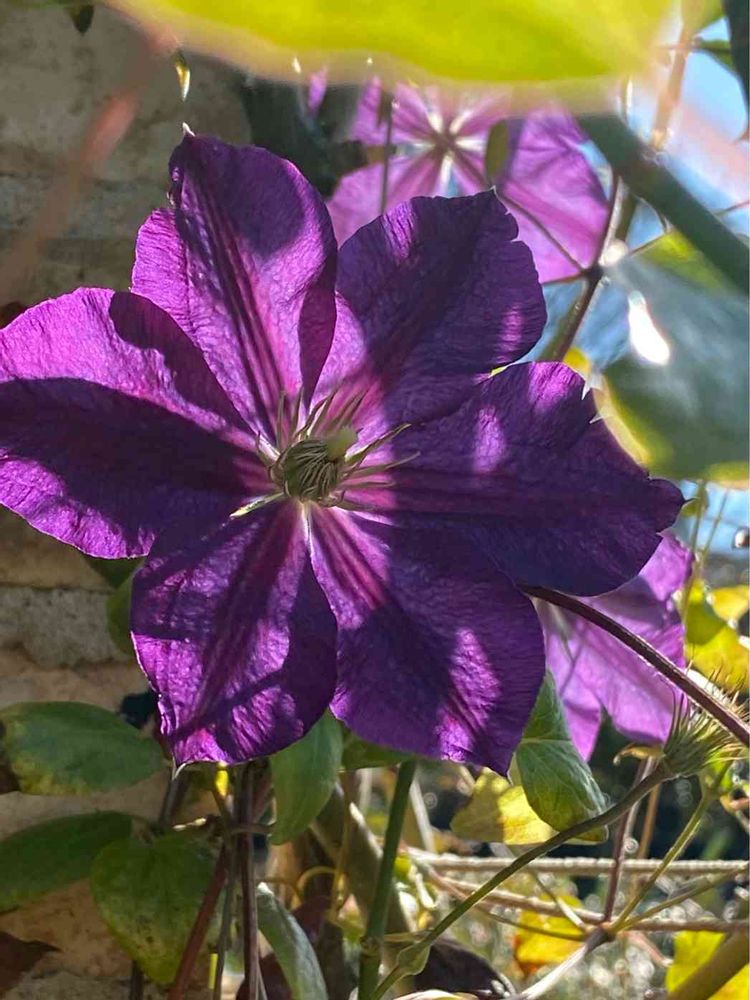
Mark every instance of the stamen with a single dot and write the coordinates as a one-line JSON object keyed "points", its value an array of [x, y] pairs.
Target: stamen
{"points": [[256, 504], [358, 457], [367, 470]]}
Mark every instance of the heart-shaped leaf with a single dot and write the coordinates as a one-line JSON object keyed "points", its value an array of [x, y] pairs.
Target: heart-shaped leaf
{"points": [[49, 856], [149, 895], [69, 748], [500, 813], [557, 781]]}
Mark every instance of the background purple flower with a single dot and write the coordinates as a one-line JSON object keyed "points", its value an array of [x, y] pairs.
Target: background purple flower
{"points": [[595, 673], [335, 500], [546, 180]]}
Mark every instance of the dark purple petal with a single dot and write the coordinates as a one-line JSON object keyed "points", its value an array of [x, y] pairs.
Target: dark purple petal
{"points": [[246, 266], [112, 426], [429, 661], [554, 193], [236, 637], [595, 673], [358, 196], [431, 296], [526, 467]]}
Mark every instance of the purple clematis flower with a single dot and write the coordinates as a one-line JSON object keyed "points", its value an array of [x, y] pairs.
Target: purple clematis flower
{"points": [[335, 498], [595, 673], [546, 181]]}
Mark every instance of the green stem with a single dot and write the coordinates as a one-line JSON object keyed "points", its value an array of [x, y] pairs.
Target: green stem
{"points": [[700, 696], [414, 953], [695, 889], [675, 851], [372, 943], [634, 161], [346, 838], [563, 341]]}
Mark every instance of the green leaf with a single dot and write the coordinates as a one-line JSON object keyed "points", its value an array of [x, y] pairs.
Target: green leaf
{"points": [[478, 40], [292, 948], [149, 895], [49, 856], [739, 29], [114, 571], [692, 949], [680, 393], [118, 615], [359, 753], [558, 782], [68, 748], [500, 813], [497, 150], [304, 775]]}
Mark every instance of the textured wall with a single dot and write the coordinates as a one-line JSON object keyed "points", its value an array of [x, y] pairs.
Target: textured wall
{"points": [[53, 639]]}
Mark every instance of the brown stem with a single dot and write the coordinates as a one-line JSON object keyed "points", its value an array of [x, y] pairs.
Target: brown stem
{"points": [[199, 929], [137, 983], [736, 726], [624, 833]]}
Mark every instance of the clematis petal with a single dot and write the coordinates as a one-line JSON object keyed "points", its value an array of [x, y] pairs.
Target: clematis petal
{"points": [[358, 196], [430, 297], [245, 263], [540, 483], [554, 193], [595, 673], [410, 120], [112, 426], [428, 662], [236, 637]]}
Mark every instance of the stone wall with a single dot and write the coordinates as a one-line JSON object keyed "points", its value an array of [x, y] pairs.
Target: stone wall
{"points": [[53, 639]]}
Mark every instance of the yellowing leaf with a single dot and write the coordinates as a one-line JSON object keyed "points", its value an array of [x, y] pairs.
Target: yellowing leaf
{"points": [[711, 645], [533, 948], [477, 40], [498, 811], [692, 949], [731, 602]]}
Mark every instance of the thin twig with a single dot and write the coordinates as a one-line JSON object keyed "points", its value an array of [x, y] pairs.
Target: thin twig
{"points": [[571, 867], [199, 929], [247, 876], [624, 834], [416, 951], [723, 715], [388, 109]]}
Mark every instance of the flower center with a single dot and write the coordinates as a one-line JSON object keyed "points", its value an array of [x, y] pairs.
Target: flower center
{"points": [[312, 468]]}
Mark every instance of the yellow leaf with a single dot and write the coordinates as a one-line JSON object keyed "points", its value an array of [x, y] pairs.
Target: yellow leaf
{"points": [[712, 646], [534, 948], [731, 602], [478, 40], [692, 949], [498, 811]]}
